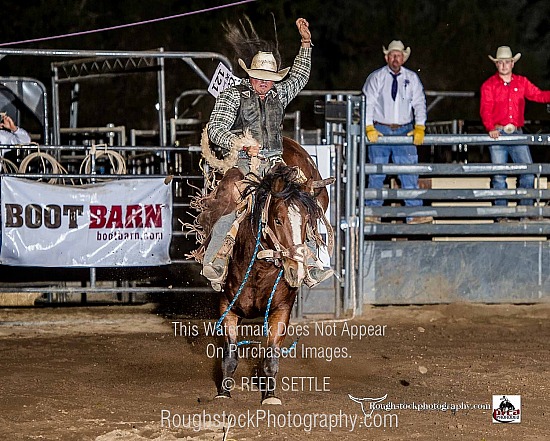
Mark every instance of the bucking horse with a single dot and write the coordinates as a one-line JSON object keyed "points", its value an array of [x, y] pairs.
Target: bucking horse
{"points": [[269, 259]]}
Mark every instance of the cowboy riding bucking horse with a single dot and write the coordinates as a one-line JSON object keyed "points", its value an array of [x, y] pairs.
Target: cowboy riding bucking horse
{"points": [[246, 123]]}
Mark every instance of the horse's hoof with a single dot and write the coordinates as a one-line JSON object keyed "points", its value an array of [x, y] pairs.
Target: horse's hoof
{"points": [[272, 401], [223, 395]]}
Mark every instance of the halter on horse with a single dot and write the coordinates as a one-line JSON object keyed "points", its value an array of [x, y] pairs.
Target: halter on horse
{"points": [[285, 213]]}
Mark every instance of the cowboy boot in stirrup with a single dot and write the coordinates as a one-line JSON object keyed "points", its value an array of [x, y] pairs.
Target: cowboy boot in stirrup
{"points": [[216, 256], [215, 272], [316, 275]]}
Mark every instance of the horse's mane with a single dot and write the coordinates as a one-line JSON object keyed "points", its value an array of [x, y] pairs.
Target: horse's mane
{"points": [[291, 191]]}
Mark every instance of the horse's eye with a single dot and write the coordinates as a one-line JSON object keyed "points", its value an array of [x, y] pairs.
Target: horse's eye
{"points": [[278, 221]]}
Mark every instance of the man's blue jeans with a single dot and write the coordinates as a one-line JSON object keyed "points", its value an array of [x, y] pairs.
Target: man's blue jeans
{"points": [[519, 154], [400, 154]]}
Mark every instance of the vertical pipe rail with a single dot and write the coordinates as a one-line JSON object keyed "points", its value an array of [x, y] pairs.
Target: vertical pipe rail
{"points": [[297, 126], [337, 194], [333, 136], [162, 112], [349, 302], [361, 203], [46, 120], [93, 272], [455, 148], [73, 110], [55, 106]]}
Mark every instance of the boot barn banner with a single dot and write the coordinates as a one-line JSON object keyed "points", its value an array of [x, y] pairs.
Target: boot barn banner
{"points": [[118, 223]]}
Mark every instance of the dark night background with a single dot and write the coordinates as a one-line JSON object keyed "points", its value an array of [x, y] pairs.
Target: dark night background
{"points": [[450, 41]]}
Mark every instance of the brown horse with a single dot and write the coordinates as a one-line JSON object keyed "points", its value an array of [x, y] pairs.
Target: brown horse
{"points": [[284, 209]]}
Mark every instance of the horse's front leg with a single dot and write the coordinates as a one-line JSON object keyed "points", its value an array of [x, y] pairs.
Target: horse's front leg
{"points": [[230, 358], [278, 322]]}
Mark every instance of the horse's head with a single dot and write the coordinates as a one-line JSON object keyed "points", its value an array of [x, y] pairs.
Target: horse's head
{"points": [[286, 212]]}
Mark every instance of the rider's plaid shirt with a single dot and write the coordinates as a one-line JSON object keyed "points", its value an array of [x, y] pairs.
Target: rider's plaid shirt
{"points": [[227, 104]]}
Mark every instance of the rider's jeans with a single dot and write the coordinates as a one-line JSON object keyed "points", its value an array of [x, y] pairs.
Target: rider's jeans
{"points": [[220, 230]]}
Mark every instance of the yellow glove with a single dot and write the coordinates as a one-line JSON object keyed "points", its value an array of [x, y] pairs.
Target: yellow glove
{"points": [[418, 134], [372, 133]]}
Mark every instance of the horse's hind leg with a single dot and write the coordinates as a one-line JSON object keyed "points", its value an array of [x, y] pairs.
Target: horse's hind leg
{"points": [[230, 358], [276, 337]]}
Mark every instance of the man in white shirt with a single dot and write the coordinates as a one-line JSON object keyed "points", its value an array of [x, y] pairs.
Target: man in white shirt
{"points": [[395, 100], [10, 134]]}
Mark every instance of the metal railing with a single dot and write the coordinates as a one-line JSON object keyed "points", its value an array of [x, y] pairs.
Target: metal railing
{"points": [[109, 63], [466, 211], [119, 131], [474, 195]]}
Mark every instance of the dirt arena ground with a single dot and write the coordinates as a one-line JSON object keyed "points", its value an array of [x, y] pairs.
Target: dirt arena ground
{"points": [[120, 373]]}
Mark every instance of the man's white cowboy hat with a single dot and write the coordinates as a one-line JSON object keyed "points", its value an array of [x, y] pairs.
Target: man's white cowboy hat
{"points": [[505, 53], [397, 45], [264, 67]]}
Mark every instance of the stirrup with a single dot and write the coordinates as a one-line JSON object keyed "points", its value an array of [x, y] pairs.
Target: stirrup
{"points": [[213, 273], [316, 275], [216, 286], [210, 272], [216, 272]]}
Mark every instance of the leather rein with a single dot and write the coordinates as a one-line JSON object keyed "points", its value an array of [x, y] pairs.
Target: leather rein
{"points": [[299, 253]]}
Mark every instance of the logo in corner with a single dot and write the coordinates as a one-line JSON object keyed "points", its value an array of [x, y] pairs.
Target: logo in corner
{"points": [[506, 408], [364, 403]]}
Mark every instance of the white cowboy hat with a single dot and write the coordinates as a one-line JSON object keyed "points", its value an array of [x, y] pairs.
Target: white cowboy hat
{"points": [[505, 53], [397, 45], [264, 67]]}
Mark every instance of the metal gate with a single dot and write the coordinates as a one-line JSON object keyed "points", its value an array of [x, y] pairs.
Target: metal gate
{"points": [[473, 251]]}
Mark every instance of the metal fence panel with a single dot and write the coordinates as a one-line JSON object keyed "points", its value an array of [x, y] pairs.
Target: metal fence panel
{"points": [[411, 272]]}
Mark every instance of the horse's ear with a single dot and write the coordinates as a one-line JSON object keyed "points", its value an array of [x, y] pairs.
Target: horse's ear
{"points": [[297, 175], [278, 185]]}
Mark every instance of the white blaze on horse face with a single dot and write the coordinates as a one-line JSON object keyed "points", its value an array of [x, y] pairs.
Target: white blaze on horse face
{"points": [[295, 219]]}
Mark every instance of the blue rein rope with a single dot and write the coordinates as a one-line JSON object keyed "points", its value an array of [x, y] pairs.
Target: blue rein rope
{"points": [[266, 325], [243, 283], [247, 274], [284, 351]]}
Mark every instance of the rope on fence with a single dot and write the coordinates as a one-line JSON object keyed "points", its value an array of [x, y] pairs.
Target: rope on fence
{"points": [[6, 166], [56, 167], [117, 161]]}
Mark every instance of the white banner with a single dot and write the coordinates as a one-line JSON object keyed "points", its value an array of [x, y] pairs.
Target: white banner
{"points": [[118, 223]]}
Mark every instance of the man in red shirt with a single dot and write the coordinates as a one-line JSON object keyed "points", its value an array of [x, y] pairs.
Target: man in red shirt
{"points": [[502, 113]]}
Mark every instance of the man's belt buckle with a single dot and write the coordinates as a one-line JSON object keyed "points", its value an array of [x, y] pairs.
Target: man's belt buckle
{"points": [[391, 126], [509, 128]]}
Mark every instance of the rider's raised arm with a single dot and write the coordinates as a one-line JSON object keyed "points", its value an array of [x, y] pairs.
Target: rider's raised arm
{"points": [[301, 68], [297, 77]]}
